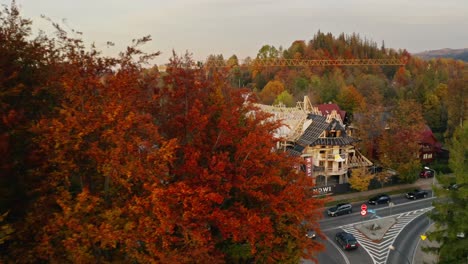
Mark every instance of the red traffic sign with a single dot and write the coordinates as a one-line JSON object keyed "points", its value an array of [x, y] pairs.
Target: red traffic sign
{"points": [[363, 207], [363, 212]]}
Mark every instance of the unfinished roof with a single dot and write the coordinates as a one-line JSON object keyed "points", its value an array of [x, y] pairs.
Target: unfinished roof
{"points": [[315, 129], [311, 136]]}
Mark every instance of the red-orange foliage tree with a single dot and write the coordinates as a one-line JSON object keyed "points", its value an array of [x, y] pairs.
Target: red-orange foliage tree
{"points": [[232, 197], [27, 92], [105, 158], [178, 170]]}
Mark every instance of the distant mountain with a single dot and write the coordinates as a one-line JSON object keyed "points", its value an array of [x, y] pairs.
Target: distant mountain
{"points": [[457, 54]]}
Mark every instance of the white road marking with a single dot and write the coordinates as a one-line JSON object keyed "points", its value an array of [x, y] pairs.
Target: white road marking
{"points": [[378, 251]]}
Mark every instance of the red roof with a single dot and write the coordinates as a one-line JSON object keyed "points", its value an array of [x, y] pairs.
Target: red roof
{"points": [[326, 109], [429, 138]]}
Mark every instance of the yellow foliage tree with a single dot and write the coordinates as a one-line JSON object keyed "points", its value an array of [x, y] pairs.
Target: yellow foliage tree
{"points": [[285, 98], [271, 91], [360, 179]]}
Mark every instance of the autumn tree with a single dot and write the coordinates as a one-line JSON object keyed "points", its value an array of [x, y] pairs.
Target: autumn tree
{"points": [[457, 107], [370, 125], [268, 52], [399, 146], [331, 85], [285, 98], [360, 179], [271, 90], [232, 199], [27, 93], [349, 99], [368, 85], [170, 171], [296, 51], [105, 158], [6, 230]]}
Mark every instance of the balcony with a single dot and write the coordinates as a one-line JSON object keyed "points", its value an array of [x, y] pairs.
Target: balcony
{"points": [[331, 156], [319, 169], [337, 171]]}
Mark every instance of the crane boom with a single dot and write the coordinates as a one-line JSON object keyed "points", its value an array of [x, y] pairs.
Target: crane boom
{"points": [[310, 63]]}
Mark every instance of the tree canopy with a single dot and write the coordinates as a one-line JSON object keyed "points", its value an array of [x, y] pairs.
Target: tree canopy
{"points": [[124, 164], [451, 210]]}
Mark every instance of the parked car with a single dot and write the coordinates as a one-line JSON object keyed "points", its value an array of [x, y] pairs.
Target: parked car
{"points": [[311, 234], [346, 240], [416, 194], [426, 174], [339, 209], [453, 187], [380, 199]]}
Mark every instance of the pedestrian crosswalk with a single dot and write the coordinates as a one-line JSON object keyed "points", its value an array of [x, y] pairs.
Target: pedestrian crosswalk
{"points": [[379, 250]]}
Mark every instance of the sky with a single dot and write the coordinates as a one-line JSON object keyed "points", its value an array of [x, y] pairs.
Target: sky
{"points": [[242, 27]]}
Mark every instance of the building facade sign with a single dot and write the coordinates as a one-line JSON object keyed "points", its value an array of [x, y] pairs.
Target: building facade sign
{"points": [[309, 166]]}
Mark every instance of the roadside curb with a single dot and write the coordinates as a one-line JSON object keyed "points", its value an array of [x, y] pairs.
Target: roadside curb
{"points": [[421, 257]]}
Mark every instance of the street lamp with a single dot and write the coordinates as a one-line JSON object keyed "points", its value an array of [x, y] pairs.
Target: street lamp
{"points": [[433, 178], [391, 247]]}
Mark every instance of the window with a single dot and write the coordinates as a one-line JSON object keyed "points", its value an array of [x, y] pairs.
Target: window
{"points": [[427, 156]]}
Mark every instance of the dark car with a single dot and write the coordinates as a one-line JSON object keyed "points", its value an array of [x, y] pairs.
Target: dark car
{"points": [[452, 186], [339, 209], [426, 174], [346, 240], [311, 234], [380, 199], [416, 194]]}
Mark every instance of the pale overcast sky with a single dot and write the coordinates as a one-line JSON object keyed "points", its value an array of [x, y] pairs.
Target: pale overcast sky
{"points": [[242, 27]]}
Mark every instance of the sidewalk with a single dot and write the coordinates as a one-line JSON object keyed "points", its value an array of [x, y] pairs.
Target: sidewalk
{"points": [[425, 184], [421, 257]]}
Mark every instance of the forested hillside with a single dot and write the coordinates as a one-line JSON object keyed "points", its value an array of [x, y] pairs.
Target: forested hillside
{"points": [[437, 85], [456, 54]]}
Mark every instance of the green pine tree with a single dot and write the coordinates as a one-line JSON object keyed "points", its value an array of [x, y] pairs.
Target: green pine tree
{"points": [[451, 211]]}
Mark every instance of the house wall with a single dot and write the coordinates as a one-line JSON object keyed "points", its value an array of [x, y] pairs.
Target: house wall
{"points": [[326, 165]]}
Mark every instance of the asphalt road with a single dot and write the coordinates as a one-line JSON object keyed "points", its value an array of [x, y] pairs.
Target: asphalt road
{"points": [[335, 254], [401, 205], [405, 245], [407, 239]]}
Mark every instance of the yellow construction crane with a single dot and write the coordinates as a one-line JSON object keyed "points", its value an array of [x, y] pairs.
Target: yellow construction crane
{"points": [[277, 62]]}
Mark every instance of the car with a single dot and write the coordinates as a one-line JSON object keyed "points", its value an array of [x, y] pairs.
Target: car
{"points": [[426, 174], [339, 209], [346, 240], [416, 194], [311, 234], [380, 199], [454, 186]]}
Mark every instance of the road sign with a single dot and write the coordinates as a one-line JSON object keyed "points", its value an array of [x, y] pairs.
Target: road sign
{"points": [[363, 212], [363, 207], [423, 237]]}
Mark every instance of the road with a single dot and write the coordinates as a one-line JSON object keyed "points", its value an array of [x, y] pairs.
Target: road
{"points": [[408, 213], [405, 245]]}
